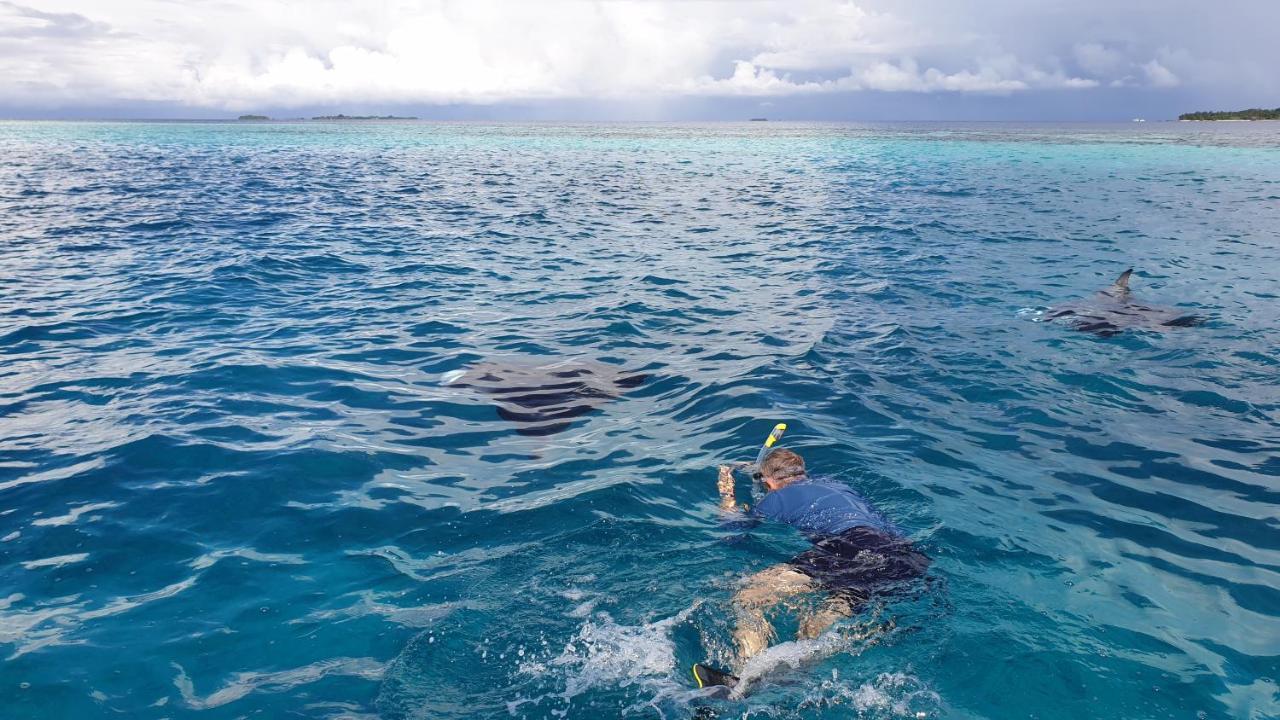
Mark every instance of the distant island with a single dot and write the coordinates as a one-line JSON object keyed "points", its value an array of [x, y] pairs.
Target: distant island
{"points": [[253, 117], [1250, 114], [362, 117]]}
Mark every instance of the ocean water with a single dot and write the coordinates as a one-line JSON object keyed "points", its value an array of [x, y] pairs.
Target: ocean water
{"points": [[234, 485]]}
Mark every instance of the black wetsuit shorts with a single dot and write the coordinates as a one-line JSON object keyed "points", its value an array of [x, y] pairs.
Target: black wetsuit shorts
{"points": [[862, 562]]}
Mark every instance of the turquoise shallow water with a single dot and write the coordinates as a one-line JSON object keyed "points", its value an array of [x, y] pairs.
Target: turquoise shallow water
{"points": [[233, 484]]}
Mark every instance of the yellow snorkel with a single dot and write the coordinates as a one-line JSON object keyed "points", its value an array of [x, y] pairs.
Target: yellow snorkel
{"points": [[774, 437]]}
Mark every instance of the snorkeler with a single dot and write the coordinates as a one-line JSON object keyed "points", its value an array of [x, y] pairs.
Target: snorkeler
{"points": [[857, 554]]}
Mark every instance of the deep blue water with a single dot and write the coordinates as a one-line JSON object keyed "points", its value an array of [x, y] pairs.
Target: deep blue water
{"points": [[233, 483]]}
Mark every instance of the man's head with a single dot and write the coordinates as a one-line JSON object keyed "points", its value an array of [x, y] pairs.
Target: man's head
{"points": [[781, 468]]}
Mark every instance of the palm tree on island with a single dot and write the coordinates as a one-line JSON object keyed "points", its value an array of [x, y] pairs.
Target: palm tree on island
{"points": [[1250, 114]]}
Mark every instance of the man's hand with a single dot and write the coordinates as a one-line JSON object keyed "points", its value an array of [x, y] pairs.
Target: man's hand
{"points": [[725, 484], [725, 481]]}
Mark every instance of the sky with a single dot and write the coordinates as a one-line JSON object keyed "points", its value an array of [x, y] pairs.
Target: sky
{"points": [[863, 60]]}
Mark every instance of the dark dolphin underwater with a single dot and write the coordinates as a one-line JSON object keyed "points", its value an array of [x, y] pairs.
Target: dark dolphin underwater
{"points": [[1114, 309], [410, 420]]}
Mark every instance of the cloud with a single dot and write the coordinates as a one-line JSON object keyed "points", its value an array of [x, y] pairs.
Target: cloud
{"points": [[1001, 75], [1160, 76], [1120, 70], [824, 35], [998, 76], [748, 79], [240, 55], [1098, 59], [17, 21]]}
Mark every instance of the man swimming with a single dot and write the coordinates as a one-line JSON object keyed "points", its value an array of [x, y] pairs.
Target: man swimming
{"points": [[857, 554]]}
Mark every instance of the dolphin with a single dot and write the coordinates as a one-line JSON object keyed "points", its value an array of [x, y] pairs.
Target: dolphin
{"points": [[1113, 310], [543, 399]]}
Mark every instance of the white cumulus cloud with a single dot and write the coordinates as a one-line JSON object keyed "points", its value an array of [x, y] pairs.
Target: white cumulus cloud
{"points": [[245, 54], [1159, 75]]}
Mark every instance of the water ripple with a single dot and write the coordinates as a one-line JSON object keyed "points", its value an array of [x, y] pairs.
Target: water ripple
{"points": [[235, 481]]}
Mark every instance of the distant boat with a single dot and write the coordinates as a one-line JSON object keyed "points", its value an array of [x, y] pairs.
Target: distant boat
{"points": [[1139, 119], [759, 119]]}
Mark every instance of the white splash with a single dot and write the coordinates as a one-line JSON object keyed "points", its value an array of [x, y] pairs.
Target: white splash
{"points": [[799, 653], [897, 694], [606, 654]]}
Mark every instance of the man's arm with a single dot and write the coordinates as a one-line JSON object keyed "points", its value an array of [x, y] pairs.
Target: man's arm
{"points": [[725, 484], [733, 516]]}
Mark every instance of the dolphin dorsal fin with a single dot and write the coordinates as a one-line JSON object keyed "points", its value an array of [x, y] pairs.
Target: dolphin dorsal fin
{"points": [[1122, 282]]}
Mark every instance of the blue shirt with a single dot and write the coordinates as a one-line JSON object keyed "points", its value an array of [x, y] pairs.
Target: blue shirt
{"points": [[821, 507]]}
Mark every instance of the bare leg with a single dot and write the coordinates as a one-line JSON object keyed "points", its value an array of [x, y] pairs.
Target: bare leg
{"points": [[760, 592], [836, 607], [814, 624]]}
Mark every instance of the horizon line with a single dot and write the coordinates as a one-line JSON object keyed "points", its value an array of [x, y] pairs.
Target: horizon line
{"points": [[495, 121]]}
